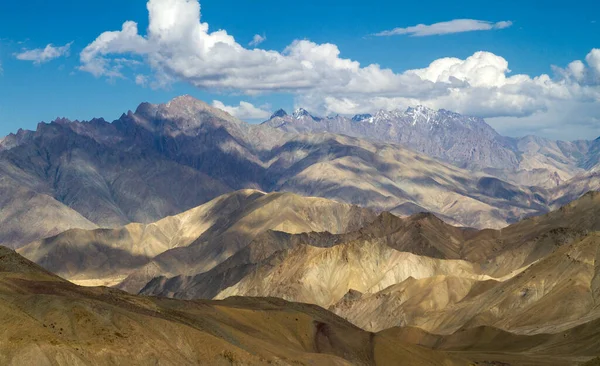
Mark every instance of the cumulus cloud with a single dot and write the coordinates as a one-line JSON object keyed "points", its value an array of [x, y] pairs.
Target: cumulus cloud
{"points": [[256, 40], [577, 71], [178, 46], [593, 59], [480, 85], [244, 110], [452, 26], [42, 55]]}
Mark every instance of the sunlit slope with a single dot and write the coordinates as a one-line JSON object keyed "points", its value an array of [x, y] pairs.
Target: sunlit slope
{"points": [[47, 320], [192, 241]]}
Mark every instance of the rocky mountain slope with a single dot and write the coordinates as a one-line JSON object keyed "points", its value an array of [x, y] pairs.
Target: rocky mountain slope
{"points": [[117, 173], [191, 242], [462, 140], [47, 320], [537, 276], [27, 214], [442, 134], [552, 295], [492, 346], [74, 325]]}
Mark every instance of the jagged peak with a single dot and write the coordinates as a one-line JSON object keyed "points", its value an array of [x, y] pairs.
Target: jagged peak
{"points": [[301, 112], [384, 219], [62, 121], [146, 109], [425, 216], [420, 110], [279, 113], [187, 101], [361, 117]]}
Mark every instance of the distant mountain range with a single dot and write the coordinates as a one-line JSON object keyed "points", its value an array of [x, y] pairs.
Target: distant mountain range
{"points": [[465, 141], [164, 159]]}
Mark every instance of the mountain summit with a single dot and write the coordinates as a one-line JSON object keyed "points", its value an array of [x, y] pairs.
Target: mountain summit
{"points": [[301, 112], [462, 140], [465, 141], [280, 113], [361, 117], [164, 159]]}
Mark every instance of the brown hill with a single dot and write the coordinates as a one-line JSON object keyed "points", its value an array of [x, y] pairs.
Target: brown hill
{"points": [[46, 320], [193, 241], [322, 268], [422, 272], [572, 346]]}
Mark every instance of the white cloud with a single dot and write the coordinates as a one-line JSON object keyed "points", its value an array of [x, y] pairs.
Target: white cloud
{"points": [[452, 26], [256, 40], [179, 47], [578, 72], [563, 120], [593, 59], [244, 111], [42, 55], [141, 80]]}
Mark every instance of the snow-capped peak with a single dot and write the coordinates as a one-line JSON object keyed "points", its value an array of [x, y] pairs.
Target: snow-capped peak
{"points": [[361, 117], [421, 114], [301, 112]]}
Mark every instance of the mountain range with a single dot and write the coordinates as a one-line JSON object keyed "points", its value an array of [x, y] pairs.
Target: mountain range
{"points": [[191, 242], [49, 321], [422, 272], [413, 290], [465, 141], [112, 174], [414, 237]]}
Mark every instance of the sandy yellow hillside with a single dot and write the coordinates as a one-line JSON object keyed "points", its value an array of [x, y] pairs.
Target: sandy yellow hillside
{"points": [[193, 241], [539, 275], [48, 321]]}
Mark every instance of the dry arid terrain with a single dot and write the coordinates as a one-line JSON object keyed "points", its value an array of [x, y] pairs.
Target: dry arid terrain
{"points": [[299, 183], [179, 234], [117, 173], [191, 242], [49, 321], [523, 295]]}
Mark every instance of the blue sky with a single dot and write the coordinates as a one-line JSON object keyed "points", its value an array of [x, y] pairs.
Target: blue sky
{"points": [[539, 37]]}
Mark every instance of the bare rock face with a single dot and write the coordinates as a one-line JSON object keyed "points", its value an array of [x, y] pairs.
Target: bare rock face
{"points": [[421, 272], [27, 215], [164, 159], [190, 242], [465, 141]]}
